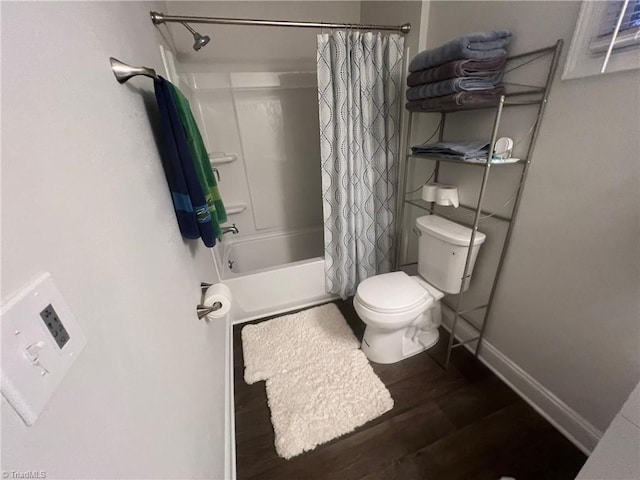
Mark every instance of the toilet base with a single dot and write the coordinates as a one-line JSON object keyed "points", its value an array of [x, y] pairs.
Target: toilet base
{"points": [[386, 347]]}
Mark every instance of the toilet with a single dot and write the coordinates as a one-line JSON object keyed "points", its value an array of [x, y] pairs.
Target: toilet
{"points": [[402, 312]]}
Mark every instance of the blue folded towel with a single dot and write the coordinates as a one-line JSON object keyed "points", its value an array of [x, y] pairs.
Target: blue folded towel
{"points": [[189, 201], [475, 45], [465, 150], [454, 85]]}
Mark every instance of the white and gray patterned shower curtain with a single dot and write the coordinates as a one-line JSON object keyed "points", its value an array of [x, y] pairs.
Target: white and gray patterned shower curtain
{"points": [[359, 91]]}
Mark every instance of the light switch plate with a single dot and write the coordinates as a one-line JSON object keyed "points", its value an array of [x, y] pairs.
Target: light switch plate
{"points": [[40, 341]]}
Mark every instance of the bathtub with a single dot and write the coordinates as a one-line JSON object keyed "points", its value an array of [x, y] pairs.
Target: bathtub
{"points": [[272, 273], [268, 250]]}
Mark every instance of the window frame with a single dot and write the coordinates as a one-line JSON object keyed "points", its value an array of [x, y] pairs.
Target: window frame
{"points": [[579, 62]]}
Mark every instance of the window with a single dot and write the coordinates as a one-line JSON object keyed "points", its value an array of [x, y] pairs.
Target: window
{"points": [[604, 26]]}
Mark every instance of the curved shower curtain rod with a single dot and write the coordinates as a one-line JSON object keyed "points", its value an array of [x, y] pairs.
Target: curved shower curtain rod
{"points": [[158, 18]]}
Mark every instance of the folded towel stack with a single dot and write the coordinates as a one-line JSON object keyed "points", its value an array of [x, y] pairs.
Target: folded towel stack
{"points": [[465, 71], [463, 150]]}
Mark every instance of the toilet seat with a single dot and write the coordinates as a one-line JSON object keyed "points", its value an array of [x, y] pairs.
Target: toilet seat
{"points": [[391, 299], [391, 293]]}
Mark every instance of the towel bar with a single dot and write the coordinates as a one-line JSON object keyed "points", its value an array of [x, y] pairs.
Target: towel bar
{"points": [[124, 72]]}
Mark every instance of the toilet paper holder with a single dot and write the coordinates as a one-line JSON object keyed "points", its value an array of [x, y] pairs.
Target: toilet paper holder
{"points": [[204, 310]]}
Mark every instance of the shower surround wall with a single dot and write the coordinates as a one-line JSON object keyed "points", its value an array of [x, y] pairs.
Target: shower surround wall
{"points": [[269, 121], [254, 90]]}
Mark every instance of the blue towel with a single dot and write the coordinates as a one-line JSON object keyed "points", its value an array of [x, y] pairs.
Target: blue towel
{"points": [[465, 150], [189, 200], [454, 85], [474, 45], [467, 67]]}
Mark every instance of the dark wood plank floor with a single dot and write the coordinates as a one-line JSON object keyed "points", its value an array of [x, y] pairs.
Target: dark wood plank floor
{"points": [[463, 423]]}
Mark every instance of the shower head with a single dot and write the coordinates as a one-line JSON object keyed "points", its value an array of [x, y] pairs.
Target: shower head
{"points": [[199, 41]]}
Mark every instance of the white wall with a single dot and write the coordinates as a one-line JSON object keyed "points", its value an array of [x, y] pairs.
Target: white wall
{"points": [[396, 12], [567, 309], [84, 197]]}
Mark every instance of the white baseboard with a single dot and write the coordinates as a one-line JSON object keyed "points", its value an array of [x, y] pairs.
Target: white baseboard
{"points": [[229, 408], [572, 425]]}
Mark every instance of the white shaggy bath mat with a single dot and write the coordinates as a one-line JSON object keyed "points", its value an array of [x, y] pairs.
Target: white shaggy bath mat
{"points": [[319, 383], [288, 342], [323, 400]]}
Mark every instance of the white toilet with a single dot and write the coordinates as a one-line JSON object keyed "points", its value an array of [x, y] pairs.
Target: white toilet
{"points": [[402, 313]]}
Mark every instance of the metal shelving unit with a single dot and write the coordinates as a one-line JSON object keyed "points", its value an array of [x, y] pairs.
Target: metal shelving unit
{"points": [[472, 216]]}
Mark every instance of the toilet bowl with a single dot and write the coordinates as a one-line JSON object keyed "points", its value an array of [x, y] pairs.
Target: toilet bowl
{"points": [[402, 315]]}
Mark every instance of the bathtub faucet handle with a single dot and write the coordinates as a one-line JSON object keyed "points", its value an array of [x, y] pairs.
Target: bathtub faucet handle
{"points": [[232, 229]]}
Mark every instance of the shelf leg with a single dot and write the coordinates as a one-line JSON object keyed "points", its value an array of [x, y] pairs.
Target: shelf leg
{"points": [[474, 231], [523, 178]]}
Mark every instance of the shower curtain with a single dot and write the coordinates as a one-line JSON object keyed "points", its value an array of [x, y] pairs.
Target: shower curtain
{"points": [[359, 92]]}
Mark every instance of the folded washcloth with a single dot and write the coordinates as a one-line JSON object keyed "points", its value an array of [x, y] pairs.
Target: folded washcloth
{"points": [[201, 158], [453, 85], [189, 200], [475, 45], [457, 100], [458, 68], [463, 150]]}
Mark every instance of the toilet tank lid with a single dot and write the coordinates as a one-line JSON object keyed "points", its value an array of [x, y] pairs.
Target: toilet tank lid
{"points": [[448, 231], [390, 292]]}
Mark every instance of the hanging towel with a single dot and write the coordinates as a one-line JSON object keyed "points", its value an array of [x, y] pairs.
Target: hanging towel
{"points": [[474, 45], [185, 212], [181, 172], [454, 85], [201, 159], [457, 68]]}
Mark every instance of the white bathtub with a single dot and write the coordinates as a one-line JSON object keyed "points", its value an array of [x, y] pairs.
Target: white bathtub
{"points": [[274, 273], [264, 251], [277, 290]]}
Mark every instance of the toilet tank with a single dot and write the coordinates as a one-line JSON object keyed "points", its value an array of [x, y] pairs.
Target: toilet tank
{"points": [[442, 252]]}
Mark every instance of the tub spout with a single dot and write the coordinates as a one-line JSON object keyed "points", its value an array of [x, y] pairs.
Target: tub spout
{"points": [[232, 229]]}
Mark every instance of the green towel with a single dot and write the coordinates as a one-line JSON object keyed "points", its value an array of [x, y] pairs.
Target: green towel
{"points": [[201, 157]]}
